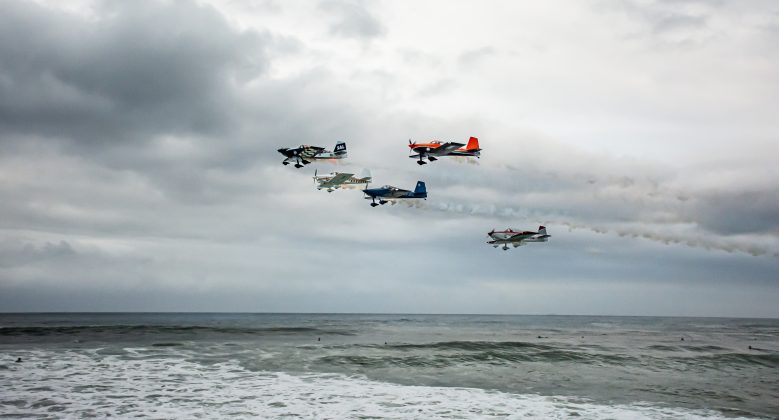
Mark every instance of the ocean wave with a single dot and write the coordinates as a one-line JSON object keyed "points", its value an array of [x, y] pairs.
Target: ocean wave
{"points": [[453, 353], [45, 331], [167, 344], [486, 358], [472, 345], [450, 353], [727, 359], [62, 384], [697, 349]]}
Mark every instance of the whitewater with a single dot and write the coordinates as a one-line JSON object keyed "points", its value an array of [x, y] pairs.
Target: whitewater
{"points": [[389, 367]]}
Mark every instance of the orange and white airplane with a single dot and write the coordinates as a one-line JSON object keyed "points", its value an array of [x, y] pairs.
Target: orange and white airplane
{"points": [[435, 149]]}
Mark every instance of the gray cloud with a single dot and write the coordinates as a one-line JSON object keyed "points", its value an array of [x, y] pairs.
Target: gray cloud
{"points": [[137, 158], [15, 254], [125, 77], [739, 212], [680, 24], [471, 57], [354, 20]]}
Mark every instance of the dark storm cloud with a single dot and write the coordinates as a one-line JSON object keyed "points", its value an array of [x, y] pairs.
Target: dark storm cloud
{"points": [[137, 161], [137, 70], [169, 90], [740, 212], [353, 20], [14, 254]]}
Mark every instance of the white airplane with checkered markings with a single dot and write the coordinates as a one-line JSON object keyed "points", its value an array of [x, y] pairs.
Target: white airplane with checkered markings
{"points": [[336, 180], [516, 237]]}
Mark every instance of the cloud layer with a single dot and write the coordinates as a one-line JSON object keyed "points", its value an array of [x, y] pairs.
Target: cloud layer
{"points": [[137, 156]]}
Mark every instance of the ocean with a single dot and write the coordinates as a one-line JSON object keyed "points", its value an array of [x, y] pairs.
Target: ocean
{"points": [[363, 366]]}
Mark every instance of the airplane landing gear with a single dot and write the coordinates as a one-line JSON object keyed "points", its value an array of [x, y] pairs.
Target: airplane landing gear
{"points": [[297, 165], [432, 159], [285, 163], [382, 202], [421, 162], [374, 204]]}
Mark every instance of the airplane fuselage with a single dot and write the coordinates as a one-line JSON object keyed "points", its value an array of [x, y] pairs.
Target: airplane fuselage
{"points": [[389, 193], [352, 183], [326, 155], [435, 149], [510, 233], [516, 237], [324, 182], [304, 154]]}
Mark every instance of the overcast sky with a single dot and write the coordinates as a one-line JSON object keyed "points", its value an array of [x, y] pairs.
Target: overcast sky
{"points": [[139, 172]]}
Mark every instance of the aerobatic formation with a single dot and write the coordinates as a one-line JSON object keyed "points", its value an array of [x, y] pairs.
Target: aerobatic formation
{"points": [[304, 154]]}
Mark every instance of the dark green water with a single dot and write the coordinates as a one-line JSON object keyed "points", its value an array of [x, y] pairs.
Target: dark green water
{"points": [[388, 366]]}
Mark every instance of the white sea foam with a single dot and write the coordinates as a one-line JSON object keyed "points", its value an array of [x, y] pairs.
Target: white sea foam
{"points": [[73, 384]]}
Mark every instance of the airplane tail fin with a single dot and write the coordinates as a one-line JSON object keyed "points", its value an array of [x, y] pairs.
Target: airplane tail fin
{"points": [[473, 144], [420, 189], [340, 149], [542, 230]]}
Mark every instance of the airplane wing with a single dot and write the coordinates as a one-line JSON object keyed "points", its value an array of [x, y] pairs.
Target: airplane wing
{"points": [[338, 179], [520, 236], [513, 240], [446, 148], [310, 151]]}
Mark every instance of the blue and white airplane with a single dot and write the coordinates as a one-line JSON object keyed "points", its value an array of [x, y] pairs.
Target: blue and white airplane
{"points": [[390, 193]]}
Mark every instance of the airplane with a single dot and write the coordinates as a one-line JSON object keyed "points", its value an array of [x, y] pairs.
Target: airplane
{"points": [[336, 180], [306, 154], [436, 149], [516, 237], [390, 193]]}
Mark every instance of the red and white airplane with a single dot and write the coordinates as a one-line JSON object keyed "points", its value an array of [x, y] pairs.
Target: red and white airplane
{"points": [[516, 237], [435, 149]]}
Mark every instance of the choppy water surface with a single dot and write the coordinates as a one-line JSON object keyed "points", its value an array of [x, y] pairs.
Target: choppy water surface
{"points": [[387, 366]]}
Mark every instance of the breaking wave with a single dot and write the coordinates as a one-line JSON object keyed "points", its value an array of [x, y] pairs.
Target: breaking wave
{"points": [[69, 384], [45, 331]]}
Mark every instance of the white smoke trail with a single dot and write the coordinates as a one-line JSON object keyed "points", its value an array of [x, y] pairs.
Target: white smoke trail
{"points": [[750, 246]]}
